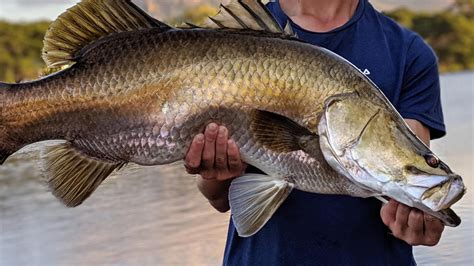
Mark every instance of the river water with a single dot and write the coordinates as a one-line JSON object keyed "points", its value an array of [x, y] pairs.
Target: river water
{"points": [[156, 216]]}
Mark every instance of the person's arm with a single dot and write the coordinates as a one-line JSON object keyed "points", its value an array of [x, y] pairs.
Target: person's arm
{"points": [[217, 161], [420, 130], [409, 224]]}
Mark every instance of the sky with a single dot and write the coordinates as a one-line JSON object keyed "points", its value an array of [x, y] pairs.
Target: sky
{"points": [[31, 10]]}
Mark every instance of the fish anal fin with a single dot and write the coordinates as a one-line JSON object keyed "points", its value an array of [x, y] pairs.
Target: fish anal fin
{"points": [[89, 21], [279, 133], [72, 175], [253, 200], [246, 14]]}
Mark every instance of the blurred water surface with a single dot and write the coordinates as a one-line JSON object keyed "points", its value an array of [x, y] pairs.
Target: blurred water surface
{"points": [[156, 216]]}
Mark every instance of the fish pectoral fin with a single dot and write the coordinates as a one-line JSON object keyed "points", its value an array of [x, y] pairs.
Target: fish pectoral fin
{"points": [[72, 175], [87, 22], [280, 133], [253, 199]]}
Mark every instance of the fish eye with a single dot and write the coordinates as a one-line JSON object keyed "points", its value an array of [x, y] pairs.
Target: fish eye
{"points": [[432, 160]]}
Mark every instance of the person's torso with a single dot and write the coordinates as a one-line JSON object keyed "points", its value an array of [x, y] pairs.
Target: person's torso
{"points": [[313, 229]]}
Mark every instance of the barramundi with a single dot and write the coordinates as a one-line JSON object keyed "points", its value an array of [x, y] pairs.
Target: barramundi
{"points": [[132, 89]]}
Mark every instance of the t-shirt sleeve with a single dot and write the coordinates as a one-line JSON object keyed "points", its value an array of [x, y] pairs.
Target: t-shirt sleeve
{"points": [[420, 97]]}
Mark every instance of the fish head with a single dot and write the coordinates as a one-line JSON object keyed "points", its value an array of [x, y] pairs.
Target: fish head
{"points": [[373, 146]]}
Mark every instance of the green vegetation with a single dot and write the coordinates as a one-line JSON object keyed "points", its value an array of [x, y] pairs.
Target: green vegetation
{"points": [[449, 32], [20, 50], [197, 15]]}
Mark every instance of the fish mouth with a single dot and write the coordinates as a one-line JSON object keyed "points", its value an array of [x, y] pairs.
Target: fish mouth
{"points": [[433, 195], [445, 194]]}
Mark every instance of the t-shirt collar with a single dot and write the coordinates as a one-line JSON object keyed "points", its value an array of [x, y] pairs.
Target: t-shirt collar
{"points": [[357, 15]]}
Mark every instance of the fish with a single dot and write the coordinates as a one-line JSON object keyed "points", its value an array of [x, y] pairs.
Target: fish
{"points": [[132, 89]]}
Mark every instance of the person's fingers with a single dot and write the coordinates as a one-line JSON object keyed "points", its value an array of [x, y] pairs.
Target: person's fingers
{"points": [[193, 157], [415, 234], [401, 222], [411, 225], [236, 166], [433, 230], [221, 149], [388, 212], [209, 152], [415, 221]]}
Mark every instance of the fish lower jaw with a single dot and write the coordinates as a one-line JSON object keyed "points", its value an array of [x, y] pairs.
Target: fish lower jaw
{"points": [[454, 194], [399, 193], [407, 194], [396, 192]]}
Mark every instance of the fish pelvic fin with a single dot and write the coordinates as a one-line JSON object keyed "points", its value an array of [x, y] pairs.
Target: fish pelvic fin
{"points": [[72, 175], [253, 200], [281, 134], [89, 21], [247, 14]]}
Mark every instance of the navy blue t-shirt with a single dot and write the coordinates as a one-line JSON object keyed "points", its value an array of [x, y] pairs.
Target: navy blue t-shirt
{"points": [[314, 229]]}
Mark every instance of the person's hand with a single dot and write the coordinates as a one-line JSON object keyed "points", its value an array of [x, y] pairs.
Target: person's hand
{"points": [[214, 156], [411, 225]]}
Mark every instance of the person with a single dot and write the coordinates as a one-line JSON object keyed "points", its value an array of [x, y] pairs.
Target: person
{"points": [[335, 229]]}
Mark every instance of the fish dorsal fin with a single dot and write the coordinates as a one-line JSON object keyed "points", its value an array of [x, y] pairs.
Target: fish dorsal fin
{"points": [[289, 30], [89, 21], [245, 14], [72, 175]]}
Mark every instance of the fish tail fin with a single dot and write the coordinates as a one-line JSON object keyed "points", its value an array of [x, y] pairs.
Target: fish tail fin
{"points": [[6, 147]]}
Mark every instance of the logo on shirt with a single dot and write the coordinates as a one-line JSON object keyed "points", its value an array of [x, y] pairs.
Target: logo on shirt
{"points": [[365, 71]]}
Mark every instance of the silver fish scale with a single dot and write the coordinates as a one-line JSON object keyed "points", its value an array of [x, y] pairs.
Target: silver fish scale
{"points": [[141, 97], [307, 173]]}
